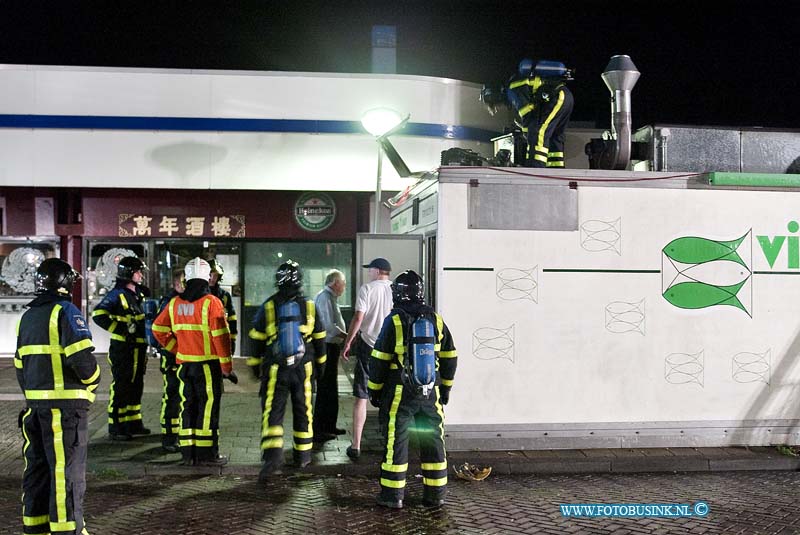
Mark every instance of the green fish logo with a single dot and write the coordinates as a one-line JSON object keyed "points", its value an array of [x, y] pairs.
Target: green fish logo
{"points": [[701, 273]]}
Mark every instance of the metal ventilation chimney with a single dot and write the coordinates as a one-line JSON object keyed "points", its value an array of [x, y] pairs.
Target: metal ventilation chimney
{"points": [[619, 76]]}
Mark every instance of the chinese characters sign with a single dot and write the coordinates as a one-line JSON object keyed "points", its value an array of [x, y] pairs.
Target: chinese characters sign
{"points": [[196, 226]]}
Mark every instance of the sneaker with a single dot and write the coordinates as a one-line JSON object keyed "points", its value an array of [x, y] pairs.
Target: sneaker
{"points": [[120, 437], [391, 504], [219, 460], [353, 453]]}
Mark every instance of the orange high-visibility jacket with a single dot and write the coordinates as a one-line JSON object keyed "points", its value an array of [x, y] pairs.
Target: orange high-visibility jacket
{"points": [[196, 331]]}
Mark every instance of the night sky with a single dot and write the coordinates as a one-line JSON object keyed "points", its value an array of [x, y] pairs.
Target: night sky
{"points": [[726, 63]]}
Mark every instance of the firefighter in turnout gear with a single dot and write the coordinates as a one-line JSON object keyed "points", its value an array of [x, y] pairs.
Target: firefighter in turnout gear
{"points": [[122, 315], [410, 376], [289, 346], [58, 374], [170, 395], [193, 325], [544, 105], [227, 301]]}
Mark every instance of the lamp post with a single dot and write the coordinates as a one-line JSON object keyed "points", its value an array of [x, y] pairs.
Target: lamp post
{"points": [[381, 123]]}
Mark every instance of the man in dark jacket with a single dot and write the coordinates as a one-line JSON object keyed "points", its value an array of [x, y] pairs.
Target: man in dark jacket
{"points": [[227, 301], [170, 397], [288, 343], [121, 314], [58, 374], [406, 403]]}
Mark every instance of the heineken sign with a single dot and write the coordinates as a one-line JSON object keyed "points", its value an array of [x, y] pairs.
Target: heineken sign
{"points": [[314, 211]]}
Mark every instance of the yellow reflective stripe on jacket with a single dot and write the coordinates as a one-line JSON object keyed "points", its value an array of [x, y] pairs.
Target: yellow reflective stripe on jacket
{"points": [[380, 355], [271, 328], [257, 335], [196, 358], [206, 333], [219, 332], [525, 110], [70, 393], [39, 350], [93, 378], [123, 301], [78, 346], [447, 354], [161, 328], [308, 328], [374, 386], [55, 356], [399, 346]]}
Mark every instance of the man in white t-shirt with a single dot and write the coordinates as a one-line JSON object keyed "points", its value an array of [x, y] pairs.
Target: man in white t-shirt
{"points": [[373, 304]]}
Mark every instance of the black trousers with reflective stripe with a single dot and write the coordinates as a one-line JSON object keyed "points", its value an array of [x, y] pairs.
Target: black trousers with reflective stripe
{"points": [[201, 392], [401, 411], [277, 385], [550, 131], [170, 406], [54, 480], [128, 363], [326, 406]]}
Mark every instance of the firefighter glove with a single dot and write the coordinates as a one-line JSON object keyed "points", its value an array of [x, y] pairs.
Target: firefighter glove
{"points": [[444, 396]]}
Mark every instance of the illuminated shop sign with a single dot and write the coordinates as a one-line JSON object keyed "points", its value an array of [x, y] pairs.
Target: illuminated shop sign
{"points": [[194, 226]]}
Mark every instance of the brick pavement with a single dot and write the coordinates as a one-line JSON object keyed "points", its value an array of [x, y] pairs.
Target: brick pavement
{"points": [[239, 438], [739, 502]]}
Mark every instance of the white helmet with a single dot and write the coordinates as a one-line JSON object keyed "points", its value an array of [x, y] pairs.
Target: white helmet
{"points": [[197, 268]]}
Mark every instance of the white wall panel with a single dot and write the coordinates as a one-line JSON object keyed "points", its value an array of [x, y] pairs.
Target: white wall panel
{"points": [[122, 93], [16, 157], [17, 91], [173, 93], [217, 160]]}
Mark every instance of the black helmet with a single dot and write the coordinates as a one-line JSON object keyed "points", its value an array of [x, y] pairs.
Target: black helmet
{"points": [[55, 275], [128, 266], [289, 276], [408, 288], [216, 267]]}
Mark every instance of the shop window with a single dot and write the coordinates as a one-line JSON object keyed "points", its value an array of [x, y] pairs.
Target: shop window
{"points": [[317, 259], [101, 267], [18, 262]]}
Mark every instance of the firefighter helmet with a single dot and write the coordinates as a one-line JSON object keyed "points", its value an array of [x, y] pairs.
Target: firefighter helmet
{"points": [[53, 274], [289, 276], [525, 68], [408, 287], [128, 266], [216, 267], [197, 268]]}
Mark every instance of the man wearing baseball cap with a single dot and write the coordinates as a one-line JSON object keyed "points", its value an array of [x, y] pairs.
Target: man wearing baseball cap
{"points": [[373, 304]]}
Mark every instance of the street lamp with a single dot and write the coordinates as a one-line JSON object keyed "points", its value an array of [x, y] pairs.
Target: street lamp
{"points": [[381, 123]]}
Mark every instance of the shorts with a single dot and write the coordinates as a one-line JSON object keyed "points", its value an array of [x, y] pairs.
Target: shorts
{"points": [[361, 371]]}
